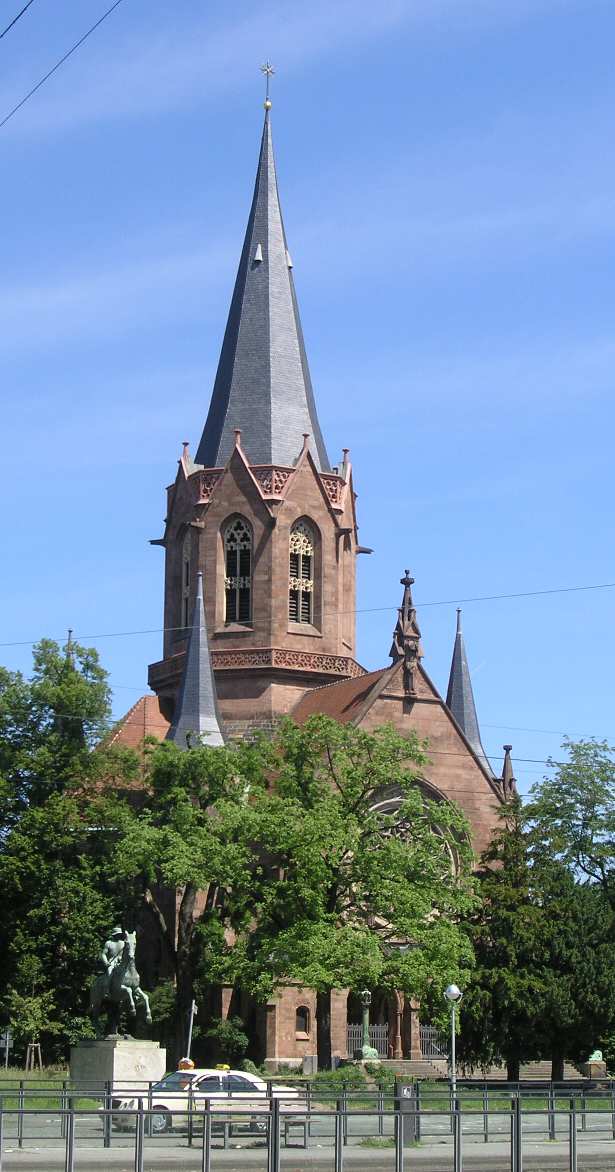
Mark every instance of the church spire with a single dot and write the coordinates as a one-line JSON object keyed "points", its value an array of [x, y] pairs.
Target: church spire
{"points": [[263, 384], [460, 697], [407, 637], [196, 711]]}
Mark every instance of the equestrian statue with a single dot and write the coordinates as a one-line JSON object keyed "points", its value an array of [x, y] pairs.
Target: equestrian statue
{"points": [[117, 983]]}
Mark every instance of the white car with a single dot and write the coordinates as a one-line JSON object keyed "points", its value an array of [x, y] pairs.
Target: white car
{"points": [[234, 1092]]}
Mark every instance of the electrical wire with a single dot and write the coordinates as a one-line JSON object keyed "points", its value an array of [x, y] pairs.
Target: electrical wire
{"points": [[15, 19], [362, 610], [57, 65]]}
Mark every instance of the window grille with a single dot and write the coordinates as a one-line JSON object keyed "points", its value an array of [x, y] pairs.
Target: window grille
{"points": [[238, 571], [301, 574]]}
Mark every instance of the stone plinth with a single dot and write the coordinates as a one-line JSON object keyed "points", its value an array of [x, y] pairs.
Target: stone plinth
{"points": [[593, 1069], [124, 1062]]}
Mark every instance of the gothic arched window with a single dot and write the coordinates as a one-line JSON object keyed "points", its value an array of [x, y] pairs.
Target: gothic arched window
{"points": [[185, 615], [301, 574], [238, 571]]}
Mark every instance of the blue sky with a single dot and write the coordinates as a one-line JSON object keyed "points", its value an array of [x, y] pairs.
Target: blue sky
{"points": [[447, 180]]}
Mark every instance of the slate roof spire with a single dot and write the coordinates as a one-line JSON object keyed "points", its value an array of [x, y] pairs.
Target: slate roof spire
{"points": [[460, 697], [406, 643], [196, 711], [263, 384]]}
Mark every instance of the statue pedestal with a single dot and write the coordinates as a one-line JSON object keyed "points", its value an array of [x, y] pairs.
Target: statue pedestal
{"points": [[124, 1062]]}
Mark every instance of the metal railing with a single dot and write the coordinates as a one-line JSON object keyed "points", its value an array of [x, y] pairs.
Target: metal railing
{"points": [[432, 1043], [378, 1038], [411, 1116]]}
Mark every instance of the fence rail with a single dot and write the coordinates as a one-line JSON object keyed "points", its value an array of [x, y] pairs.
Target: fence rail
{"points": [[413, 1114]]}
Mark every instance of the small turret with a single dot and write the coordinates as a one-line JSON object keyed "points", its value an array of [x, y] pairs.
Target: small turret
{"points": [[406, 643], [460, 697], [196, 711]]}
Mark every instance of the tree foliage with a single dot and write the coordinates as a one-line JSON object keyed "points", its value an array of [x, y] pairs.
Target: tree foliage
{"points": [[574, 813], [56, 889], [543, 933]]}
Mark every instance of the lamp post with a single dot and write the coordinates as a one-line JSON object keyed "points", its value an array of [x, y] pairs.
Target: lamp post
{"points": [[366, 1000], [453, 995]]}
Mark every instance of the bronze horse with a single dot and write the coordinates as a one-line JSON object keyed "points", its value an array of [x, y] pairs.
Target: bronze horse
{"points": [[121, 988]]}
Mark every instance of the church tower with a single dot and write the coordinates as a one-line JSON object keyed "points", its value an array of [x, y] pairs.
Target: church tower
{"points": [[260, 512]]}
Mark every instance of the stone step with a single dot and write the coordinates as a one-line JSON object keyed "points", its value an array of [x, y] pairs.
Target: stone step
{"points": [[423, 1068]]}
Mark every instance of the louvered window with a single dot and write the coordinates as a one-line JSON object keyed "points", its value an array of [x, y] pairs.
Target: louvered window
{"points": [[301, 574], [238, 571]]}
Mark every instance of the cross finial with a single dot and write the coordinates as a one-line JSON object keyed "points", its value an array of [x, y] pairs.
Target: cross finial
{"points": [[269, 71]]}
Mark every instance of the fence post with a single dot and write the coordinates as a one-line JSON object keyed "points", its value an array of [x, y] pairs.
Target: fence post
{"points": [[139, 1134], [1, 1128], [339, 1136], [273, 1150], [206, 1156], [572, 1135], [20, 1116], [516, 1135], [399, 1137], [150, 1103], [583, 1112], [417, 1119], [551, 1112], [485, 1114], [613, 1108], [457, 1137], [62, 1109], [190, 1115], [380, 1109], [69, 1161], [107, 1104], [345, 1115], [309, 1108]]}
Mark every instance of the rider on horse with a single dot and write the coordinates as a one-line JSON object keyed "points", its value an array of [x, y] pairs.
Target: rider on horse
{"points": [[110, 956]]}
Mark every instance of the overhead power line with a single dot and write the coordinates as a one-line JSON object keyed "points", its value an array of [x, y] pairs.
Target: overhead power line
{"points": [[362, 610], [15, 19], [57, 65]]}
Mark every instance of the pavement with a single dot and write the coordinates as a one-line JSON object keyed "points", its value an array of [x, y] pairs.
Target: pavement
{"points": [[171, 1154]]}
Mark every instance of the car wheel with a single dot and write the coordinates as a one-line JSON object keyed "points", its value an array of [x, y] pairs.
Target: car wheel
{"points": [[160, 1120]]}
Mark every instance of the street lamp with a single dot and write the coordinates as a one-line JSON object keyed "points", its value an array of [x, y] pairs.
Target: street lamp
{"points": [[366, 1000], [453, 995]]}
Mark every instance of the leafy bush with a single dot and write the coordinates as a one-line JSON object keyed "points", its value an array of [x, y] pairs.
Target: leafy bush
{"points": [[229, 1038]]}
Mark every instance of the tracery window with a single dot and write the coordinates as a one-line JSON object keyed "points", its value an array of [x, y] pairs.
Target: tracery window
{"points": [[185, 607], [301, 574], [238, 571]]}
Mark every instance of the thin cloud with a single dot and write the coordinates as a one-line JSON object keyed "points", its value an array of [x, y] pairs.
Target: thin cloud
{"points": [[188, 64]]}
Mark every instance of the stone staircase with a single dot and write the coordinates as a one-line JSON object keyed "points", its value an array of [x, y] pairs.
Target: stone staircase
{"points": [[437, 1068], [415, 1067]]}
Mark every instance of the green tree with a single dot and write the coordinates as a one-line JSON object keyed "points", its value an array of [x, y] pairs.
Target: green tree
{"points": [[574, 813], [359, 879], [57, 889], [314, 857], [543, 986], [505, 996]]}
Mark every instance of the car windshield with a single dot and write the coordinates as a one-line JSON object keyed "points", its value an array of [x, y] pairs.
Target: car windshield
{"points": [[179, 1080]]}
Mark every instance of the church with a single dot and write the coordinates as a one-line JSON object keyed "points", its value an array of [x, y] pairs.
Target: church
{"points": [[261, 547]]}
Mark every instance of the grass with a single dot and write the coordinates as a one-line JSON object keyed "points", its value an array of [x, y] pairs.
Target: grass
{"points": [[36, 1083]]}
